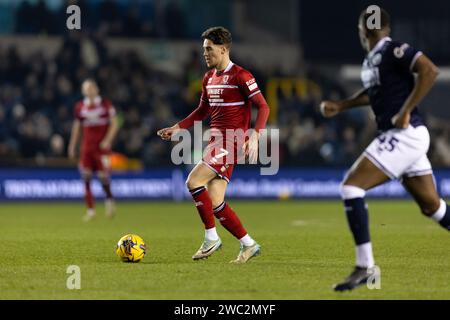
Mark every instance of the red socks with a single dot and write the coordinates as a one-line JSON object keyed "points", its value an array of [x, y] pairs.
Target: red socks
{"points": [[88, 198], [223, 212], [230, 220], [204, 206], [107, 190]]}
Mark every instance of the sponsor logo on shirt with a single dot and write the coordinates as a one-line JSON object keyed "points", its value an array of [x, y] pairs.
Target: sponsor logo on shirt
{"points": [[376, 59], [251, 84], [251, 81]]}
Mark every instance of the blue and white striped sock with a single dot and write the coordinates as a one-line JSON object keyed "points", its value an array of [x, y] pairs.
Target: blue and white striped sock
{"points": [[442, 215]]}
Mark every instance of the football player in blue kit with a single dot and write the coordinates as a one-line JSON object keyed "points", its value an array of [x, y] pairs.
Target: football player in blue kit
{"points": [[400, 149]]}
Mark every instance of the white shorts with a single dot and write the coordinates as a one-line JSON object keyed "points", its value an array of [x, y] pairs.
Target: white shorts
{"points": [[401, 152]]}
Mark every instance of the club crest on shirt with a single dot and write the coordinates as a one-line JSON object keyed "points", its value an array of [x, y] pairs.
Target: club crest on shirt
{"points": [[225, 79], [376, 59], [370, 75]]}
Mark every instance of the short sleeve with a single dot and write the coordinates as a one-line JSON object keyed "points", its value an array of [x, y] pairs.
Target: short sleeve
{"points": [[248, 84], [405, 56]]}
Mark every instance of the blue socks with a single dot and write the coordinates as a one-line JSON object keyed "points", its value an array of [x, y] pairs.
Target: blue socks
{"points": [[358, 219]]}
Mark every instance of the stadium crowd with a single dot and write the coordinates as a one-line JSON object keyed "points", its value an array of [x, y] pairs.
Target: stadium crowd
{"points": [[114, 18], [37, 96]]}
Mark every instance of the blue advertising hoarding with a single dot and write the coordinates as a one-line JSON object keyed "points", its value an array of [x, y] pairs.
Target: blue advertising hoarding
{"points": [[37, 184]]}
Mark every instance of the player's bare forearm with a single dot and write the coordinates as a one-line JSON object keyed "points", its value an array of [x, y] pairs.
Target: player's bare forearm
{"points": [[331, 108], [112, 130], [359, 99], [74, 138], [427, 74], [167, 133]]}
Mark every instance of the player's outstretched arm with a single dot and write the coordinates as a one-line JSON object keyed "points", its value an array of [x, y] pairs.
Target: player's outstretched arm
{"points": [[198, 114], [330, 108], [427, 74], [74, 138]]}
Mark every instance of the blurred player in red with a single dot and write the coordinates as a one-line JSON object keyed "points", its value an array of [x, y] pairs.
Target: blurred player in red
{"points": [[95, 118], [228, 93]]}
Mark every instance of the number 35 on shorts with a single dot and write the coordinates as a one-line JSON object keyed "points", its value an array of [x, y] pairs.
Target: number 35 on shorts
{"points": [[387, 143]]}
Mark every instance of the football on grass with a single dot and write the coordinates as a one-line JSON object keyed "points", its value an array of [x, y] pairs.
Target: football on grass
{"points": [[131, 248]]}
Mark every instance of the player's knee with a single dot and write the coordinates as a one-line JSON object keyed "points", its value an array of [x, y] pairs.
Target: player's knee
{"points": [[216, 200], [192, 183], [86, 175], [351, 192], [104, 178]]}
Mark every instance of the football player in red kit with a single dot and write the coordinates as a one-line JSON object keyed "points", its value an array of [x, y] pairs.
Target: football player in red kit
{"points": [[228, 93], [96, 121]]}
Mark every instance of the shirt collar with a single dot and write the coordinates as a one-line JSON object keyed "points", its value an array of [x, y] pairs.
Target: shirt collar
{"points": [[379, 44], [229, 66], [97, 100]]}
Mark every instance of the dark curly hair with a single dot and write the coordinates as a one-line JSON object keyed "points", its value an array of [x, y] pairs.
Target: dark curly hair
{"points": [[218, 35]]}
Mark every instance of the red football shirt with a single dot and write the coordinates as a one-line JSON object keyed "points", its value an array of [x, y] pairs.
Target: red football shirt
{"points": [[94, 119], [227, 97]]}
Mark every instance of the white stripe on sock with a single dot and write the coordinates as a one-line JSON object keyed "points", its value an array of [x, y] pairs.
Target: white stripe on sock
{"points": [[364, 255], [197, 191], [440, 213], [351, 192], [220, 207]]}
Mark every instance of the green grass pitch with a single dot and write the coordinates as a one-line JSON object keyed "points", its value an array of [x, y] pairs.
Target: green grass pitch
{"points": [[306, 248]]}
